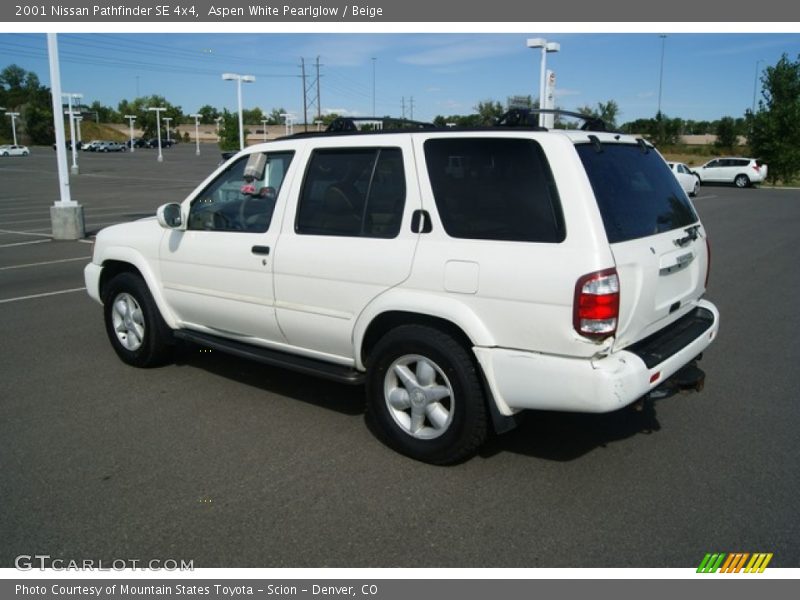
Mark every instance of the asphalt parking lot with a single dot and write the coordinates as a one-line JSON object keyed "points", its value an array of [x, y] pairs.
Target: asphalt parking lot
{"points": [[233, 464]]}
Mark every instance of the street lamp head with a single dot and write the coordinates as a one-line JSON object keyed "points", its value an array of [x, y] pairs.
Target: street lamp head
{"points": [[553, 46], [536, 42], [248, 78], [230, 76], [131, 117]]}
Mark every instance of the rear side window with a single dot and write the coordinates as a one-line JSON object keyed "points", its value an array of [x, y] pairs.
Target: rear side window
{"points": [[636, 192], [494, 189], [354, 192]]}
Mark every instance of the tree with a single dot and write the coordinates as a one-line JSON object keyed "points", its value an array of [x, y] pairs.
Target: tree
{"points": [[21, 91], [146, 119], [104, 114], [252, 116], [208, 114], [488, 111], [229, 131], [775, 137], [727, 136]]}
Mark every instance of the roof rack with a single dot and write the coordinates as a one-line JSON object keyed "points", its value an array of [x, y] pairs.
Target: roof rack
{"points": [[378, 123], [523, 117]]}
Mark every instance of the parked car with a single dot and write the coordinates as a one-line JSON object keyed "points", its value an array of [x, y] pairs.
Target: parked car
{"points": [[153, 143], [14, 150], [68, 144], [742, 172], [688, 180], [459, 297], [110, 147], [137, 143], [92, 146]]}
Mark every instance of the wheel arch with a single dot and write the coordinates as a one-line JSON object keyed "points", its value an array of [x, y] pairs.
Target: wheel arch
{"points": [[127, 260]]}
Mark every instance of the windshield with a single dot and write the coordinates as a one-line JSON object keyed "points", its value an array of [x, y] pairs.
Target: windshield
{"points": [[636, 192]]}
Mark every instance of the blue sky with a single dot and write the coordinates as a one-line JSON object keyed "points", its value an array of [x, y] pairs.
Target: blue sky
{"points": [[706, 76]]}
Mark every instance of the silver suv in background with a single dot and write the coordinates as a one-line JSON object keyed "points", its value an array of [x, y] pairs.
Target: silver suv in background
{"points": [[742, 172]]}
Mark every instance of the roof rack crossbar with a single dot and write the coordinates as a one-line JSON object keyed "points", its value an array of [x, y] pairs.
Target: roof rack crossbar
{"points": [[521, 117]]}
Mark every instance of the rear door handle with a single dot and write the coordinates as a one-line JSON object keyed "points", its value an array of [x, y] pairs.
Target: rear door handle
{"points": [[260, 249]]}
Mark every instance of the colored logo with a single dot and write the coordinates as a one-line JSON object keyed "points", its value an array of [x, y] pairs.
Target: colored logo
{"points": [[735, 562]]}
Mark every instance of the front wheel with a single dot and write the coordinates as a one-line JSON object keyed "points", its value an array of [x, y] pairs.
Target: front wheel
{"points": [[133, 323], [424, 395], [741, 181]]}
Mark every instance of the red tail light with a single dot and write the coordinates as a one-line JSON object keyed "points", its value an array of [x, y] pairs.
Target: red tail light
{"points": [[596, 309]]}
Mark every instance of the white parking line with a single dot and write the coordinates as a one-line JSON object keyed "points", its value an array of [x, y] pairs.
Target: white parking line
{"points": [[11, 232], [25, 243], [43, 295], [49, 262]]}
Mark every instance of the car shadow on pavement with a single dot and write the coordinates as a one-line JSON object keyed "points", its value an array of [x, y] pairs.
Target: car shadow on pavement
{"points": [[346, 399], [562, 436], [556, 436]]}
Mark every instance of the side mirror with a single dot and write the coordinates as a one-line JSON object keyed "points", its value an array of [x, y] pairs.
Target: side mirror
{"points": [[169, 216]]}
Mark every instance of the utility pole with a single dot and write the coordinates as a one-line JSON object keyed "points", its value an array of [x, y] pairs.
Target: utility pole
{"points": [[403, 104], [305, 94], [319, 102], [411, 103]]}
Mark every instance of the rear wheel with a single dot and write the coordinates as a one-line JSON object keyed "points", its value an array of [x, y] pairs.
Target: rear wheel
{"points": [[695, 188], [741, 181], [134, 325], [424, 395]]}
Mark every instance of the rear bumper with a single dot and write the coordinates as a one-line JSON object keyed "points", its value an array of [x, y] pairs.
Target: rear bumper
{"points": [[527, 380]]}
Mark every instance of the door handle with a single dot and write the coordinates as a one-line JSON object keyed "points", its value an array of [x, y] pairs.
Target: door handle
{"points": [[260, 249]]}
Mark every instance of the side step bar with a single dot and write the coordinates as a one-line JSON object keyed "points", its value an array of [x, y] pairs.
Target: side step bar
{"points": [[300, 364]]}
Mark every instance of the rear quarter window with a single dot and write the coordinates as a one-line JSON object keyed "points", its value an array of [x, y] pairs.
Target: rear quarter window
{"points": [[494, 189], [637, 194]]}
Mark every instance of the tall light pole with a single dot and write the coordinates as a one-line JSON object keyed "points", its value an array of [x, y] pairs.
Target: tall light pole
{"points": [[158, 110], [131, 119], [661, 72], [196, 118], [288, 121], [264, 125], [755, 85], [78, 120], [373, 87], [13, 116], [239, 79], [66, 215], [546, 47], [217, 121], [70, 96], [168, 119]]}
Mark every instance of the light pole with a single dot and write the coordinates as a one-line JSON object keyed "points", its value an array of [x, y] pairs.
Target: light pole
{"points": [[661, 72], [264, 125], [239, 79], [373, 86], [13, 116], [288, 121], [217, 121], [168, 119], [74, 169], [131, 119], [546, 47], [755, 85], [78, 120], [158, 110], [197, 118]]}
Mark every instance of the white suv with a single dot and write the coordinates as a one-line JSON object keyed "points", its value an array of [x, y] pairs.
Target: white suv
{"points": [[555, 270], [742, 172]]}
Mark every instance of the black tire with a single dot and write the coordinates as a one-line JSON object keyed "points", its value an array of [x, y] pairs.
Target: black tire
{"points": [[134, 325], [453, 427], [741, 181]]}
